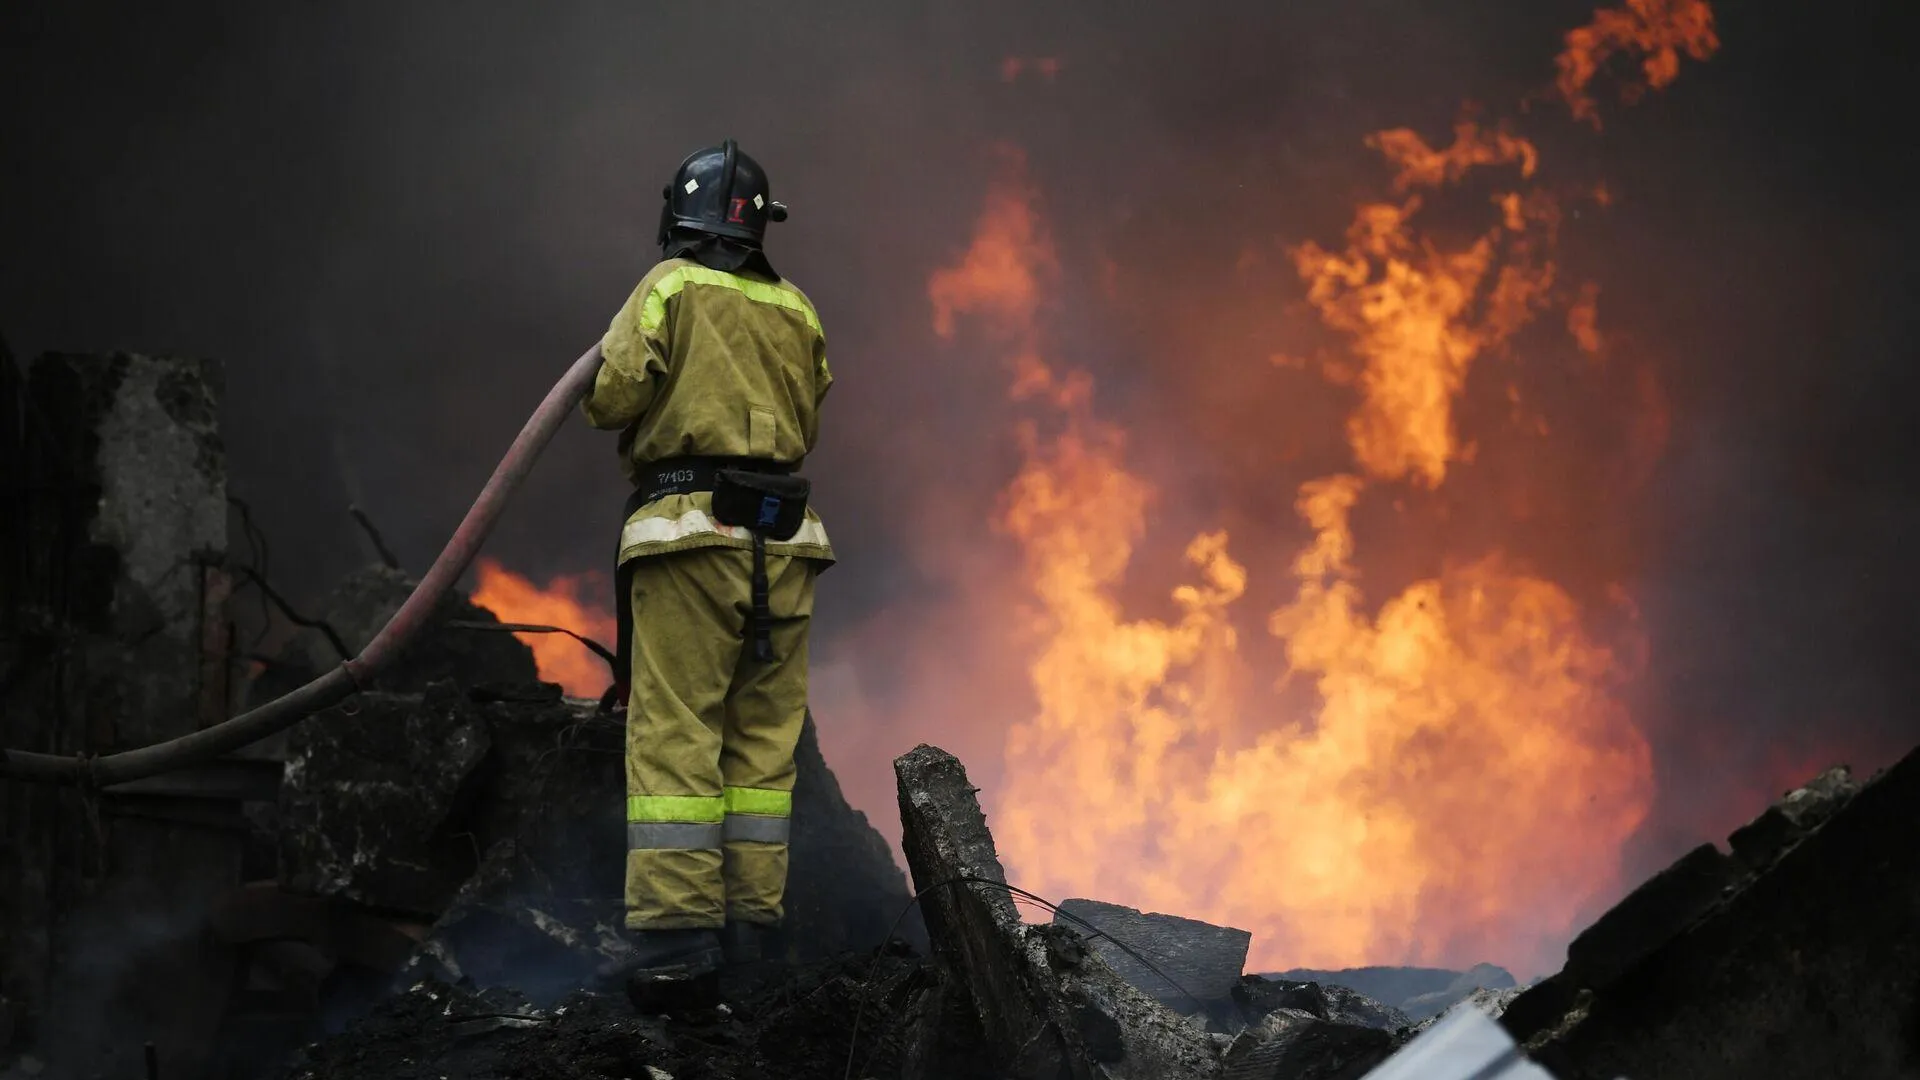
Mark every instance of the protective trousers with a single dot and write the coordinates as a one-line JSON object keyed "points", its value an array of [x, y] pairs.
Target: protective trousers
{"points": [[710, 738]]}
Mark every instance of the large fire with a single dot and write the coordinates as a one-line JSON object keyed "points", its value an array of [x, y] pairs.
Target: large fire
{"points": [[562, 603], [1461, 779]]}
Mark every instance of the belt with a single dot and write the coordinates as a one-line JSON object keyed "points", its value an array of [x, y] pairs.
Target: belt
{"points": [[687, 475]]}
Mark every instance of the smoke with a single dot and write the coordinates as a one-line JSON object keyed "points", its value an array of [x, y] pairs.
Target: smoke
{"points": [[452, 201]]}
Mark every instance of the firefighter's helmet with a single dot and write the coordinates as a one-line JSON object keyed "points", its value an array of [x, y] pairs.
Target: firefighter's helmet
{"points": [[721, 191]]}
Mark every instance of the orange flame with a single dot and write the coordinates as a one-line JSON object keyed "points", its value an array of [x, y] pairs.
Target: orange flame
{"points": [[1446, 779], [514, 599], [1419, 315], [1659, 30], [1473, 147]]}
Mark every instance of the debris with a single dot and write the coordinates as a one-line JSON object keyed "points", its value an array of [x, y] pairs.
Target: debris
{"points": [[498, 815], [371, 807], [1258, 995], [1767, 837], [1194, 965], [1293, 1045], [1046, 1006], [797, 1025], [1804, 967], [507, 927], [362, 604], [112, 634]]}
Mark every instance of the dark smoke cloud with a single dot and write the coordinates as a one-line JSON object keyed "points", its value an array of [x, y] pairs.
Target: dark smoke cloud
{"points": [[396, 223]]}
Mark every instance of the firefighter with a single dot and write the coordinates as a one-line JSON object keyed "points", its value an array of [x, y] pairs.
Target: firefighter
{"points": [[713, 372]]}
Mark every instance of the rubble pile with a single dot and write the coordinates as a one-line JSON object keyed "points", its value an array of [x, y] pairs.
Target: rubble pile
{"points": [[422, 881], [1796, 954], [481, 821], [996, 998], [1042, 1001], [798, 1025], [462, 822], [500, 823]]}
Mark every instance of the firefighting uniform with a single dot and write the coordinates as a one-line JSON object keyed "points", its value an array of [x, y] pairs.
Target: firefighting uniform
{"points": [[700, 364]]}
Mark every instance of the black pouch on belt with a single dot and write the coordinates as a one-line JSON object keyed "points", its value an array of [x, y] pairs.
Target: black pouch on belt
{"points": [[766, 505]]}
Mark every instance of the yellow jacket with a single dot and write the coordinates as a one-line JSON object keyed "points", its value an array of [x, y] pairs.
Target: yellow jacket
{"points": [[704, 363]]}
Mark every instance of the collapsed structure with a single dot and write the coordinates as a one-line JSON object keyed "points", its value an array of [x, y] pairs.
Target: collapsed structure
{"points": [[459, 820], [421, 882], [113, 586]]}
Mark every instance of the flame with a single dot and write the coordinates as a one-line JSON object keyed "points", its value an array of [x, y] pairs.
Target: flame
{"points": [[1472, 147], [561, 659], [1448, 778], [1470, 777], [1659, 30], [1419, 314], [1583, 319]]}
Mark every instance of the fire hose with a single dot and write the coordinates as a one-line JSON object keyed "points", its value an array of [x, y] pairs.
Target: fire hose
{"points": [[356, 673]]}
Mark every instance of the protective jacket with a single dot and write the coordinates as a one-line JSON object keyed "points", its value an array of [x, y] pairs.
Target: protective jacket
{"points": [[704, 363]]}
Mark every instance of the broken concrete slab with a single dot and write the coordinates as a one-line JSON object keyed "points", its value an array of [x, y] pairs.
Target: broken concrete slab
{"points": [[510, 845], [1258, 996], [1046, 1005], [374, 800], [1184, 964], [1289, 1044], [1808, 968], [1387, 985]]}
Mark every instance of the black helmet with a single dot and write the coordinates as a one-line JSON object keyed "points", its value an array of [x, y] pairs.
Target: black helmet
{"points": [[723, 192]]}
